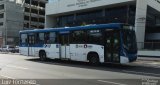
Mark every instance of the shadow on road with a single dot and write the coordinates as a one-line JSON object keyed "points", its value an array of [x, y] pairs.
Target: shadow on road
{"points": [[130, 69]]}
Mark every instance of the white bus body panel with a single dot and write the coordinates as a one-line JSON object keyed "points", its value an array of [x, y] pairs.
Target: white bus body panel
{"points": [[31, 51], [23, 51], [79, 51], [52, 50], [124, 60], [65, 52]]}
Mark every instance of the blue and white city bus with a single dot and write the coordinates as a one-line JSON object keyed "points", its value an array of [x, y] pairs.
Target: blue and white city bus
{"points": [[102, 43]]}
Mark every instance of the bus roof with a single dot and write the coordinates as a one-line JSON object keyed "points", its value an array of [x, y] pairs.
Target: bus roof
{"points": [[94, 26]]}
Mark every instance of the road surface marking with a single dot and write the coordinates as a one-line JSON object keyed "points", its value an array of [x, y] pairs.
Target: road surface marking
{"points": [[142, 73], [111, 82], [7, 77], [18, 67]]}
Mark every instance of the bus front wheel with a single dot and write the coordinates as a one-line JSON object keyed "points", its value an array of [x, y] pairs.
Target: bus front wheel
{"points": [[42, 56], [94, 59]]}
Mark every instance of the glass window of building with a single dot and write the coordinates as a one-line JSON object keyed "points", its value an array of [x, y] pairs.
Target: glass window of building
{"points": [[66, 20], [117, 14], [1, 6]]}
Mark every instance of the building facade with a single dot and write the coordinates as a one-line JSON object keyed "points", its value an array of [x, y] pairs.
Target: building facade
{"points": [[34, 13], [144, 15], [16, 15], [11, 22]]}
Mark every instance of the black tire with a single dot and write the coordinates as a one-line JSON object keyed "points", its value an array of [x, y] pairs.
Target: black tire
{"points": [[93, 59], [42, 56]]}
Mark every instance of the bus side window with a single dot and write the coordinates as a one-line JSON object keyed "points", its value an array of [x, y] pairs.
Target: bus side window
{"points": [[95, 37], [52, 37], [36, 38], [24, 39], [41, 38], [78, 36], [32, 40], [47, 38]]}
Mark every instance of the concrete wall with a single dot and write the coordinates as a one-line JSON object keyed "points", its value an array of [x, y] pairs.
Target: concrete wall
{"points": [[2, 11], [14, 19], [140, 20], [62, 6], [13, 22], [141, 13], [2, 28], [154, 4], [66, 6]]}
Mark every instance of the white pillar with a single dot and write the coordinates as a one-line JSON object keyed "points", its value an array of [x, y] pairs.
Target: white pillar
{"points": [[140, 21]]}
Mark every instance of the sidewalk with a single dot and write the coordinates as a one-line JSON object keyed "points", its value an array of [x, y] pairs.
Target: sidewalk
{"points": [[149, 53], [149, 59], [147, 62]]}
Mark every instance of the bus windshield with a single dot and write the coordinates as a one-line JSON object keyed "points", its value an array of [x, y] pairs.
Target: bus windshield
{"points": [[129, 39]]}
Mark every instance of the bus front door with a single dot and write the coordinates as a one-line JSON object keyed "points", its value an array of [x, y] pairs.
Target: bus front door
{"points": [[31, 39], [112, 46], [65, 48]]}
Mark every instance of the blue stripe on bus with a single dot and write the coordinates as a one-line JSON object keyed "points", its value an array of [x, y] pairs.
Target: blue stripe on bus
{"points": [[101, 26], [35, 45]]}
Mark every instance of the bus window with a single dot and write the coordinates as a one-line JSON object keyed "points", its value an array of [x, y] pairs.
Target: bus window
{"points": [[95, 37], [24, 39], [78, 37], [31, 39], [52, 38], [129, 40], [46, 38], [36, 38], [41, 38]]}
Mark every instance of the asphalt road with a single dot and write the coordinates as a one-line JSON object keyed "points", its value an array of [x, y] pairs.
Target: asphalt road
{"points": [[16, 67]]}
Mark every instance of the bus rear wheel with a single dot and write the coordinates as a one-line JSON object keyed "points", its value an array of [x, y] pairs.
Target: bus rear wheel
{"points": [[94, 59], [42, 56]]}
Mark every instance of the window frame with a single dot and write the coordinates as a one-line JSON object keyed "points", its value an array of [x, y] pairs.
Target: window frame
{"points": [[93, 40], [26, 39], [76, 39]]}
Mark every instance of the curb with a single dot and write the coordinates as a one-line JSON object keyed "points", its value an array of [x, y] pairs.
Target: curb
{"points": [[149, 60], [147, 56]]}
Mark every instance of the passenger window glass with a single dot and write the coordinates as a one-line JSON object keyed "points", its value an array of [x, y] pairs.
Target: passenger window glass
{"points": [[41, 37], [95, 37], [52, 37], [23, 38], [78, 36]]}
